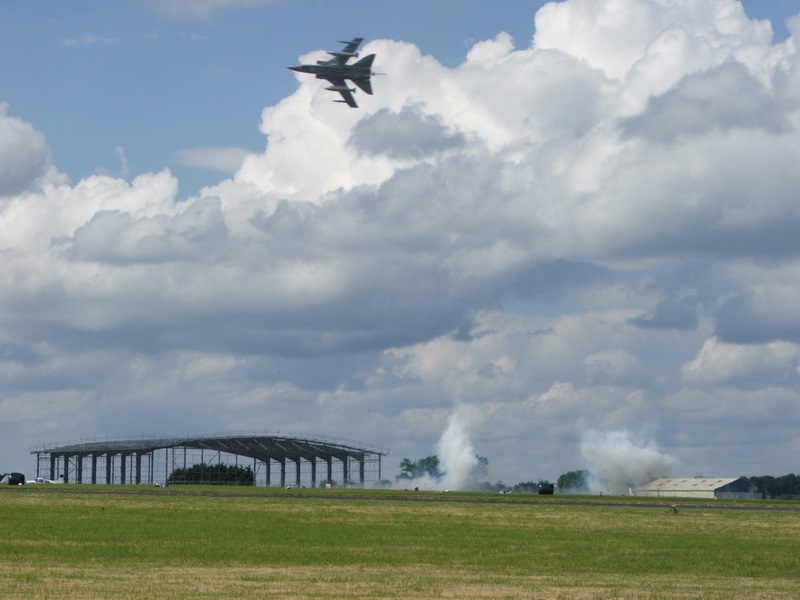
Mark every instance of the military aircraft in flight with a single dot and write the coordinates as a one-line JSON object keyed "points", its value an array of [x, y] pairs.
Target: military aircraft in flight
{"points": [[336, 71]]}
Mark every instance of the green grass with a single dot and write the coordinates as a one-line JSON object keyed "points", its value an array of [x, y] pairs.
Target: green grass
{"points": [[255, 543]]}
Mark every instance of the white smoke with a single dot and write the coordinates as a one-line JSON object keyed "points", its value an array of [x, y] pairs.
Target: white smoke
{"points": [[617, 461], [456, 454], [457, 457]]}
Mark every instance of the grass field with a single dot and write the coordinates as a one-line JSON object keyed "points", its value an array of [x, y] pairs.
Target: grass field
{"points": [[82, 542]]}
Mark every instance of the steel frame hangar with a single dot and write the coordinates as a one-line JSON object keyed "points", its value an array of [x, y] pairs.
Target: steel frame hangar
{"points": [[275, 458]]}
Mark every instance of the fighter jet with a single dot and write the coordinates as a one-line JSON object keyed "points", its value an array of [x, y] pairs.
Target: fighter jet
{"points": [[336, 71]]}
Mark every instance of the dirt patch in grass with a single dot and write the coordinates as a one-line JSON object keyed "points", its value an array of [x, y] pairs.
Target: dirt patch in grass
{"points": [[313, 583]]}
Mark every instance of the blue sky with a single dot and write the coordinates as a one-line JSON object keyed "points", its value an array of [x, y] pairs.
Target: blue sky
{"points": [[101, 78], [107, 76], [557, 250]]}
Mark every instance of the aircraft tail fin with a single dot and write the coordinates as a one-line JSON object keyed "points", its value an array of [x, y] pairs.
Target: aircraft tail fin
{"points": [[365, 62], [364, 84]]}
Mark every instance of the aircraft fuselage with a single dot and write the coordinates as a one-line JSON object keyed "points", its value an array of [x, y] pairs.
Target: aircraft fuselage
{"points": [[329, 72]]}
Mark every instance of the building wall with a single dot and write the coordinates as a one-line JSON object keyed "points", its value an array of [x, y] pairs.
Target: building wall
{"points": [[741, 489], [710, 495], [739, 495], [676, 494]]}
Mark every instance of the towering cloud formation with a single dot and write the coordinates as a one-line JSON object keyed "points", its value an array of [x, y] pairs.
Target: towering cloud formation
{"points": [[569, 234], [24, 155]]}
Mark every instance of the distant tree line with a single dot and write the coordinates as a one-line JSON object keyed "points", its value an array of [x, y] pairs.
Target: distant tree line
{"points": [[785, 487], [219, 474], [573, 481], [428, 466]]}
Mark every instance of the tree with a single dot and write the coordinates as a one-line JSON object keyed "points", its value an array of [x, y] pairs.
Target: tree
{"points": [[785, 486], [219, 474], [424, 466], [573, 480], [526, 487], [481, 469], [486, 486]]}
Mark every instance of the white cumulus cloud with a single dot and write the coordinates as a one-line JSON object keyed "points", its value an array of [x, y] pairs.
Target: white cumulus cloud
{"points": [[595, 231]]}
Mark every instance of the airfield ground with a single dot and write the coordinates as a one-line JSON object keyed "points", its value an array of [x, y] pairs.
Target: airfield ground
{"points": [[86, 542]]}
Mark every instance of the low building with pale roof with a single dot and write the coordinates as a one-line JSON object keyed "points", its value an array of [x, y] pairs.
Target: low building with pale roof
{"points": [[701, 487]]}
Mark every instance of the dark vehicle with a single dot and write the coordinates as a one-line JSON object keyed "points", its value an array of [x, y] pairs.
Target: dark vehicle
{"points": [[14, 479], [546, 488]]}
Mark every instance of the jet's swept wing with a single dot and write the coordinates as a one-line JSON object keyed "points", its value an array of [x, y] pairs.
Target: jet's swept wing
{"points": [[339, 85], [341, 57]]}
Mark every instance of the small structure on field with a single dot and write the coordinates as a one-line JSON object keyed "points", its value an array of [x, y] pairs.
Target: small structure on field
{"points": [[13, 479], [546, 488], [701, 487]]}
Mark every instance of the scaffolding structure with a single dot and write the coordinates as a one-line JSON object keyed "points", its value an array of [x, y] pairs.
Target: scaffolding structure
{"points": [[275, 459]]}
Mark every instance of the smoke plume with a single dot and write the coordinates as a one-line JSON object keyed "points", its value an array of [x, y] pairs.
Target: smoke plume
{"points": [[455, 450], [457, 458], [618, 461]]}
